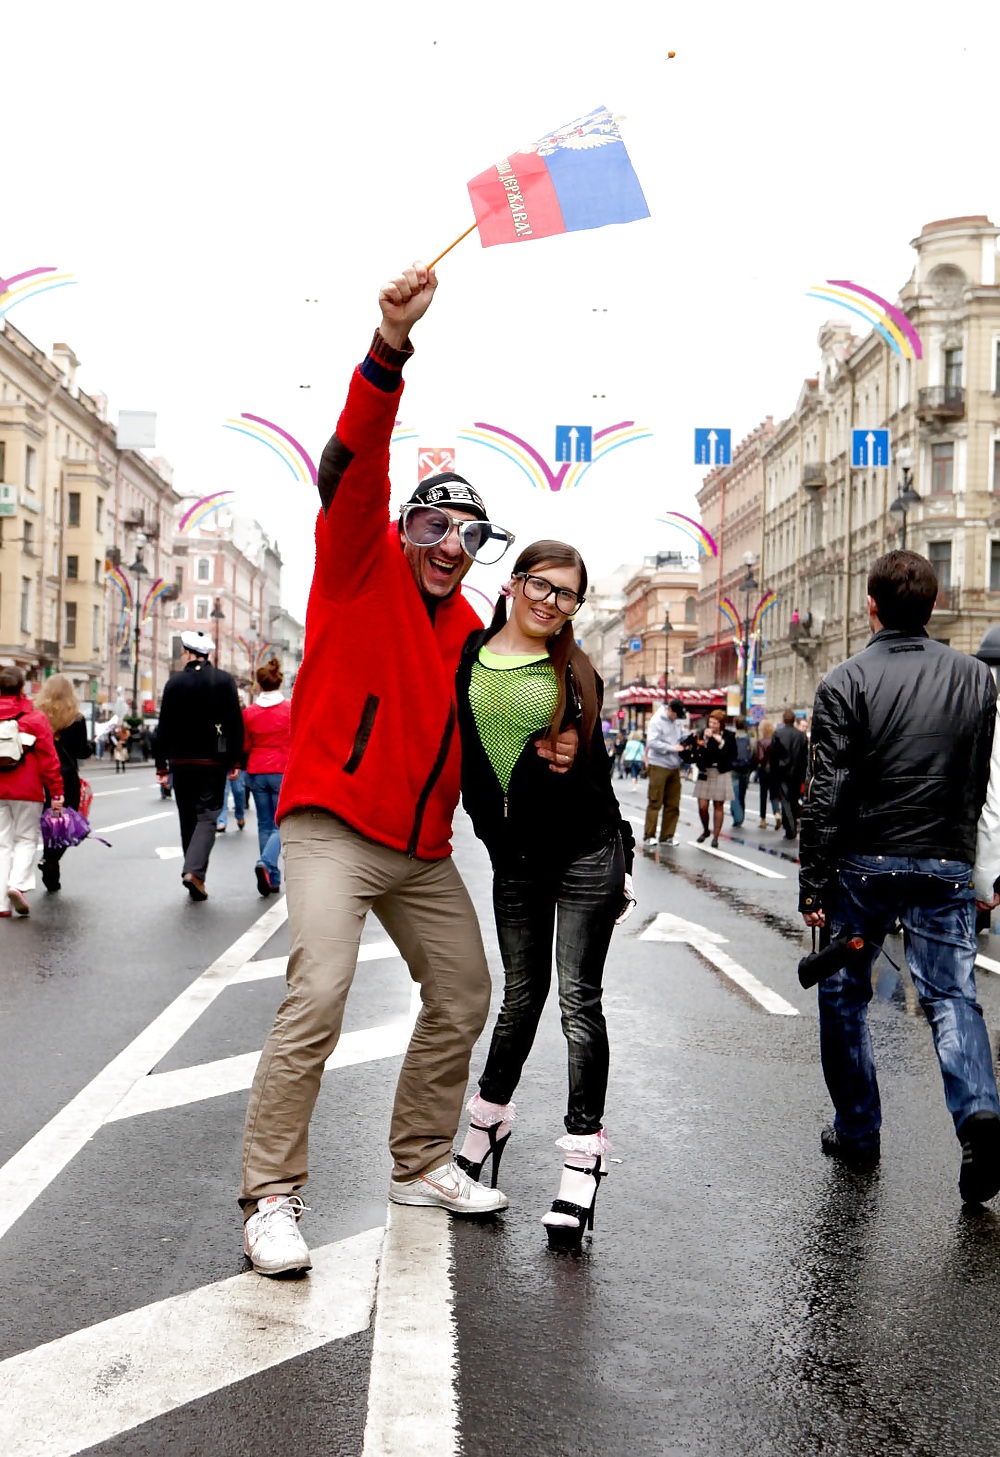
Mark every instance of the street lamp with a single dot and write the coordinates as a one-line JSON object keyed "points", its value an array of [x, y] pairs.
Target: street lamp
{"points": [[907, 497], [217, 615], [138, 570], [668, 628], [748, 587]]}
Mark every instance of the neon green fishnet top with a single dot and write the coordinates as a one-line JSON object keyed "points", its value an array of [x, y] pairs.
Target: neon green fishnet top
{"points": [[511, 698]]}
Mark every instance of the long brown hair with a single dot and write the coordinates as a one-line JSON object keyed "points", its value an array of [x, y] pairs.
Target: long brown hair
{"points": [[58, 701], [562, 647]]}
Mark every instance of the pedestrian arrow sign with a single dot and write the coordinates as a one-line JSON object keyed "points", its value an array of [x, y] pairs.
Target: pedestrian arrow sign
{"points": [[712, 447], [635, 644], [574, 443], [870, 449]]}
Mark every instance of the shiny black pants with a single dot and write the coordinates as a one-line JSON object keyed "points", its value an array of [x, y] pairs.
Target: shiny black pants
{"points": [[198, 790]]}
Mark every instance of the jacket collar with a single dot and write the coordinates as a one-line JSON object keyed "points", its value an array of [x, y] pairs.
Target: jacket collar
{"points": [[270, 699], [896, 634]]}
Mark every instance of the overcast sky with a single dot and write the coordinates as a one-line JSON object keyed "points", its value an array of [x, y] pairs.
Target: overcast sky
{"points": [[204, 170]]}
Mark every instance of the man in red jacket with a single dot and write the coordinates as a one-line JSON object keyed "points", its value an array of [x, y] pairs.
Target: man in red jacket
{"points": [[366, 807]]}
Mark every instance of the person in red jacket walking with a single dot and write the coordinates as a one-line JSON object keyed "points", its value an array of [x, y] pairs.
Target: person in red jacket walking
{"points": [[366, 806], [267, 730], [29, 765]]}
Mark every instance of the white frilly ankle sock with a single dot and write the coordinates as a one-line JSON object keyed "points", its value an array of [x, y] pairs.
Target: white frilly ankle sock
{"points": [[583, 1151], [484, 1116]]}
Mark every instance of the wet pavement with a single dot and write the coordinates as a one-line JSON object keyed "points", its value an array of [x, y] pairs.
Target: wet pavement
{"points": [[741, 1294]]}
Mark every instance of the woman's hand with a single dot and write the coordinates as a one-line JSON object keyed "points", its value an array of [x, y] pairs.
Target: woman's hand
{"points": [[57, 804], [629, 905]]}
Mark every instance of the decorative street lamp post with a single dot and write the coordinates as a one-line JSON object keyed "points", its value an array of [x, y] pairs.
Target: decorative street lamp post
{"points": [[138, 570], [748, 587], [668, 628], [218, 616], [901, 506]]}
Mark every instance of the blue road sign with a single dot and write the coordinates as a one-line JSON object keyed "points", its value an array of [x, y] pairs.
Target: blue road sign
{"points": [[870, 448], [574, 442], [712, 447], [635, 644]]}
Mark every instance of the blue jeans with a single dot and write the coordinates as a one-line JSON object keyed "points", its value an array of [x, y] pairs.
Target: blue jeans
{"points": [[239, 788], [738, 803], [265, 789], [588, 895], [934, 901]]}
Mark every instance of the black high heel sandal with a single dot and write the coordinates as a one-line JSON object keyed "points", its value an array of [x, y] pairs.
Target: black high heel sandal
{"points": [[495, 1151], [568, 1236]]}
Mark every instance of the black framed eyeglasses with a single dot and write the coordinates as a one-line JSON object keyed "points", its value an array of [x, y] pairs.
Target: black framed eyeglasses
{"points": [[540, 589], [483, 541]]}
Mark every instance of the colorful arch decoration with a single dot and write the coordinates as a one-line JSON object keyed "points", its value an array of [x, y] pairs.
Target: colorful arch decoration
{"points": [[153, 596], [204, 507], [285, 446], [402, 433], [893, 325], [491, 602], [42, 280], [707, 545], [533, 464], [765, 604], [731, 614]]}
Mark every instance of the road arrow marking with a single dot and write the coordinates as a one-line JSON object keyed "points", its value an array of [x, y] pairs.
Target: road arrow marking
{"points": [[738, 860], [667, 927], [87, 1387], [988, 964]]}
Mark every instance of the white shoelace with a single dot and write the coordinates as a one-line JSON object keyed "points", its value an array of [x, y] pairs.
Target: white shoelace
{"points": [[292, 1209]]}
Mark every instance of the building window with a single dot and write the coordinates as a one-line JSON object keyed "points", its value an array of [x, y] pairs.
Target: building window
{"points": [[25, 604], [180, 610], [996, 463], [995, 566], [691, 610], [953, 369], [29, 468], [73, 500], [204, 569], [70, 640], [28, 537], [95, 631], [996, 387], [202, 607], [3, 447], [942, 468], [939, 556], [179, 578], [100, 514], [176, 648], [98, 572], [73, 568]]}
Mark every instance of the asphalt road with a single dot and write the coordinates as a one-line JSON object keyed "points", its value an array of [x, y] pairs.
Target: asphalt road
{"points": [[741, 1294]]}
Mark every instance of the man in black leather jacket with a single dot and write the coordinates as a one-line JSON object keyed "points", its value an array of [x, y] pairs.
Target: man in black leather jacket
{"points": [[901, 741]]}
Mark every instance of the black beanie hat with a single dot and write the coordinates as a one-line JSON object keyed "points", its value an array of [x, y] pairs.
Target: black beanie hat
{"points": [[448, 489]]}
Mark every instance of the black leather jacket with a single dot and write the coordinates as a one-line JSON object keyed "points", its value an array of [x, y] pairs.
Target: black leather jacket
{"points": [[900, 758]]}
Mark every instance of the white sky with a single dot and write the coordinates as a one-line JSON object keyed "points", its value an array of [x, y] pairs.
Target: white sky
{"points": [[205, 169]]}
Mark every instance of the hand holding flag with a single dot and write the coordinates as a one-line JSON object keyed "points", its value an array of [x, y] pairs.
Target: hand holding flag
{"points": [[404, 300]]}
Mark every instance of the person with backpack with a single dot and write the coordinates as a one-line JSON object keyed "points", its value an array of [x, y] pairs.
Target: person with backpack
{"points": [[58, 701], [29, 766], [742, 769]]}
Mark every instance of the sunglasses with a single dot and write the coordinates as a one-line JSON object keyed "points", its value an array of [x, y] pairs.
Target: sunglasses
{"points": [[540, 589], [429, 525]]}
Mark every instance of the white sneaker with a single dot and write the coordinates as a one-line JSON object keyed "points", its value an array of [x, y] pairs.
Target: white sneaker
{"points": [[271, 1236], [448, 1188], [674, 841]]}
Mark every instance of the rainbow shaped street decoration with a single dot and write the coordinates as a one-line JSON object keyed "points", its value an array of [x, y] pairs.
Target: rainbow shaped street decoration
{"points": [[246, 648], [204, 507], [116, 575], [706, 544], [895, 328], [402, 433], [534, 465], [731, 615], [265, 650], [285, 446], [765, 604], [491, 602], [41, 281], [153, 596]]}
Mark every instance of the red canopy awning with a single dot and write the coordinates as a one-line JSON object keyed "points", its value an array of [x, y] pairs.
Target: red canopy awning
{"points": [[690, 697]]}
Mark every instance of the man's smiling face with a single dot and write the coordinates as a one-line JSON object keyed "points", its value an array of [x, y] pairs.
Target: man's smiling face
{"points": [[438, 570]]}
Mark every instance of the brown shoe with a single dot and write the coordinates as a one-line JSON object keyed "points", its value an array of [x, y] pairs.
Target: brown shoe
{"points": [[195, 887]]}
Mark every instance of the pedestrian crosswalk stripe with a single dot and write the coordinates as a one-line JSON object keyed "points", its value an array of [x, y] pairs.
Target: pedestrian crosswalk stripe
{"points": [[275, 965], [127, 824], [93, 1384]]}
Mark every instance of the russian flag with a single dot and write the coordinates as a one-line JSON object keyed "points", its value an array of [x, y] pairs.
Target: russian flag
{"points": [[576, 178]]}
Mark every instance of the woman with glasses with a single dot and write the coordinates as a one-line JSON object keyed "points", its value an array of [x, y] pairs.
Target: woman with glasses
{"points": [[562, 860]]}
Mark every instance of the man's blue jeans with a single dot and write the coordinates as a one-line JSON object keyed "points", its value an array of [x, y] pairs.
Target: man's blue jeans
{"points": [[265, 789], [934, 901], [239, 788]]}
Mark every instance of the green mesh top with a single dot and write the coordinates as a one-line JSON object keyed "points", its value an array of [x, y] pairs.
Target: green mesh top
{"points": [[511, 698]]}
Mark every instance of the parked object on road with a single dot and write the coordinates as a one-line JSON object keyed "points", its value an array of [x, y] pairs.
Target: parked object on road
{"points": [[667, 729], [267, 728], [58, 701], [899, 764], [29, 769], [519, 682], [199, 741]]}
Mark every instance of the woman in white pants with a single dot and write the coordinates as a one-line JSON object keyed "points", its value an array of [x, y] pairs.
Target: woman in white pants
{"points": [[29, 765]]}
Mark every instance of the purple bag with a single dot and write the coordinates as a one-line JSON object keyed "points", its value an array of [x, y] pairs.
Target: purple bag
{"points": [[67, 828]]}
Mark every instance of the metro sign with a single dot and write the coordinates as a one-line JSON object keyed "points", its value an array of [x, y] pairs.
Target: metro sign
{"points": [[434, 461]]}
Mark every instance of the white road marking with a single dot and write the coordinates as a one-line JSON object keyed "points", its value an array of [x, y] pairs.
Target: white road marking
{"points": [[987, 963], [29, 1171], [104, 793], [170, 852], [275, 965], [667, 927], [105, 1379], [167, 814], [738, 860], [412, 1407]]}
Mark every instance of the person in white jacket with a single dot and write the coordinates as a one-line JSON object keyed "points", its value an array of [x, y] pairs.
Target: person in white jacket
{"points": [[987, 871], [663, 766]]}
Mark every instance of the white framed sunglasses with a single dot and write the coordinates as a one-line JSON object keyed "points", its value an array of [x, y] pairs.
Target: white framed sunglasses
{"points": [[483, 541]]}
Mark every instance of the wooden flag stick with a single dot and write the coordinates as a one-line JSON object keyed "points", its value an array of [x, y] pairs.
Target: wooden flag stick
{"points": [[454, 245]]}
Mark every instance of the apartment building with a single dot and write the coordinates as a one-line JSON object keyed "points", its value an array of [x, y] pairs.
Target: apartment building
{"points": [[660, 622], [825, 522]]}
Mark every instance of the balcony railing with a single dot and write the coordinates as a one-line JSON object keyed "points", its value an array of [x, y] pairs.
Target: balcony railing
{"points": [[814, 476], [941, 402]]}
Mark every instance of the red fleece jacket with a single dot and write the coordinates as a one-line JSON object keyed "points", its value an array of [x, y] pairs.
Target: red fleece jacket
{"points": [[374, 735], [39, 769]]}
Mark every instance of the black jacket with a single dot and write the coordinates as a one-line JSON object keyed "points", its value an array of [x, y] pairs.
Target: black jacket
{"points": [[200, 718], [789, 757], [561, 815], [72, 745], [900, 758], [710, 753]]}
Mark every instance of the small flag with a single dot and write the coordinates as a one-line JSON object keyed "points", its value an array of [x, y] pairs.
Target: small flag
{"points": [[576, 178]]}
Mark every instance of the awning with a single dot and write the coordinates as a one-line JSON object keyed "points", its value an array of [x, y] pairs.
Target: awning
{"points": [[690, 697], [715, 647]]}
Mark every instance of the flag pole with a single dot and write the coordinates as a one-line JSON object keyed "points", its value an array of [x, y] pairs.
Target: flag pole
{"points": [[453, 245]]}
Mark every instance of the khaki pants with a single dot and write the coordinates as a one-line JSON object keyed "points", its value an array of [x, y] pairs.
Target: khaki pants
{"points": [[665, 792], [333, 877]]}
